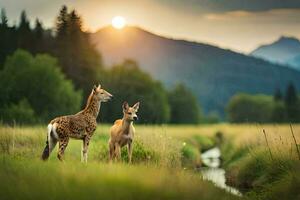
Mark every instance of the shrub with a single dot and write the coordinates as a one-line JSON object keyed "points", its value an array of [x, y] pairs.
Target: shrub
{"points": [[128, 83], [21, 112], [190, 156], [203, 142], [140, 153], [38, 79], [250, 108], [184, 106]]}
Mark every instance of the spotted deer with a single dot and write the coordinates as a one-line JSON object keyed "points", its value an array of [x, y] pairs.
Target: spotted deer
{"points": [[79, 126], [122, 132]]}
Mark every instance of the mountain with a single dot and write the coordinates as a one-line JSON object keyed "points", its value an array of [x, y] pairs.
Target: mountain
{"points": [[294, 62], [283, 51], [212, 73]]}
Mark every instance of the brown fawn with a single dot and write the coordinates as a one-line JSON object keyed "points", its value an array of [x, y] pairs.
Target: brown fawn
{"points": [[79, 126], [122, 132]]}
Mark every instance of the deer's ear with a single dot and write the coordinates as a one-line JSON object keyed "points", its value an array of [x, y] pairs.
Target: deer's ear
{"points": [[99, 87], [94, 88], [136, 106], [125, 105]]}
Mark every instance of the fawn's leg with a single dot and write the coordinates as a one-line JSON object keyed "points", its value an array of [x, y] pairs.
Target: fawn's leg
{"points": [[63, 143], [117, 152], [129, 150], [85, 146], [111, 148]]}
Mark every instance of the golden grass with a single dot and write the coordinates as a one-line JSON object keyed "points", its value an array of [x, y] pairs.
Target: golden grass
{"points": [[20, 166], [168, 138]]}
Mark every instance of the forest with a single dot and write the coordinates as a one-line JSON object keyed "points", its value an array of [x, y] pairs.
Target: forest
{"points": [[47, 73], [36, 63]]}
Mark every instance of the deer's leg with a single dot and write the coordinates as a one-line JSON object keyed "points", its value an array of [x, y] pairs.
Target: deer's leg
{"points": [[63, 143], [85, 146], [129, 150]]}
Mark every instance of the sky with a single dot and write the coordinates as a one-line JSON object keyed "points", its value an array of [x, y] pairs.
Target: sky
{"points": [[240, 25]]}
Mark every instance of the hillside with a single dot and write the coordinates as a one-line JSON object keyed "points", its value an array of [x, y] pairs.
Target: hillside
{"points": [[212, 73], [286, 50]]}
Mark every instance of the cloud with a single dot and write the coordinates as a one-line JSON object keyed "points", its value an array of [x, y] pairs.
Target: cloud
{"points": [[231, 5], [276, 15]]}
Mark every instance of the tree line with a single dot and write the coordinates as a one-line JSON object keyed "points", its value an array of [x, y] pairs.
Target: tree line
{"points": [[77, 57], [47, 73], [281, 108]]}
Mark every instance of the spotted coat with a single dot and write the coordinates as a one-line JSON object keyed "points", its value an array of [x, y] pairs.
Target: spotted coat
{"points": [[78, 126]]}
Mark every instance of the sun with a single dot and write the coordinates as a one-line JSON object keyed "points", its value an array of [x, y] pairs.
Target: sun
{"points": [[118, 22]]}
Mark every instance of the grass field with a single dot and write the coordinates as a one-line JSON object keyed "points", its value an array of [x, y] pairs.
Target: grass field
{"points": [[163, 159]]}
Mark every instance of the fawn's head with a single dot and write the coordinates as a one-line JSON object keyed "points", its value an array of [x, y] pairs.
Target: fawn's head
{"points": [[101, 94], [130, 112]]}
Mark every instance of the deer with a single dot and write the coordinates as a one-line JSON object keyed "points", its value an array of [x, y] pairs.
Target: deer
{"points": [[78, 126], [122, 132]]}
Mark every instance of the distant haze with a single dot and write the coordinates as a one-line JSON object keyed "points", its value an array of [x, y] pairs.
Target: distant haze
{"points": [[284, 51], [230, 24], [213, 74]]}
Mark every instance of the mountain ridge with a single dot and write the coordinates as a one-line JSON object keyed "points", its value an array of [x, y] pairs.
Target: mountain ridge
{"points": [[283, 51], [212, 73]]}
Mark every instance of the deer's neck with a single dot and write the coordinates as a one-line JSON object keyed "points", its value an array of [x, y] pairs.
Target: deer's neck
{"points": [[126, 126], [93, 107]]}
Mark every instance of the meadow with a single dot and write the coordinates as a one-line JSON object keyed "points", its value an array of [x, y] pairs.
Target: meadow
{"points": [[165, 158]]}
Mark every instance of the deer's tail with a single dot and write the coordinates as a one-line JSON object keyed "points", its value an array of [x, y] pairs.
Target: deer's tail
{"points": [[52, 138], [46, 151]]}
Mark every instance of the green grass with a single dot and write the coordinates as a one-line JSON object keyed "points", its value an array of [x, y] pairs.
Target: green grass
{"points": [[162, 159], [264, 172], [33, 179], [157, 171]]}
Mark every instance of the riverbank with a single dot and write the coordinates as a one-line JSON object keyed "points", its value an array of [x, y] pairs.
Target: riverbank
{"points": [[265, 168]]}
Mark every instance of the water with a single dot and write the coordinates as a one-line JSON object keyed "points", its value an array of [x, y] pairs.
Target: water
{"points": [[212, 157], [213, 173]]}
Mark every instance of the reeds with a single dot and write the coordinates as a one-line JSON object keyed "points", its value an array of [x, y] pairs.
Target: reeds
{"points": [[270, 152], [297, 148]]}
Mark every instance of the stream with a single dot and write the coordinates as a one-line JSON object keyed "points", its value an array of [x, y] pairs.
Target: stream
{"points": [[213, 173]]}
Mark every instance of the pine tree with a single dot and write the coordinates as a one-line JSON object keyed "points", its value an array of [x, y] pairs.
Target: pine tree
{"points": [[75, 23], [291, 95], [38, 29], [278, 95], [62, 23], [38, 32], [291, 103], [4, 19], [24, 24], [5, 37], [25, 38], [80, 60]]}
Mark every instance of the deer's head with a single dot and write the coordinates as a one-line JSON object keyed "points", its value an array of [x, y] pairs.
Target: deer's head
{"points": [[101, 94]]}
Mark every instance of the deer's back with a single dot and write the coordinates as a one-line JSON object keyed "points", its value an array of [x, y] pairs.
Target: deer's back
{"points": [[74, 126]]}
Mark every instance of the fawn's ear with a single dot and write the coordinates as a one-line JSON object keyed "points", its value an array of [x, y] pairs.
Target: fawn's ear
{"points": [[136, 106], [99, 86], [125, 106]]}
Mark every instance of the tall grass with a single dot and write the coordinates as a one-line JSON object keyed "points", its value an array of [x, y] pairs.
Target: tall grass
{"points": [[156, 172], [32, 179], [156, 148], [160, 154], [265, 165]]}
